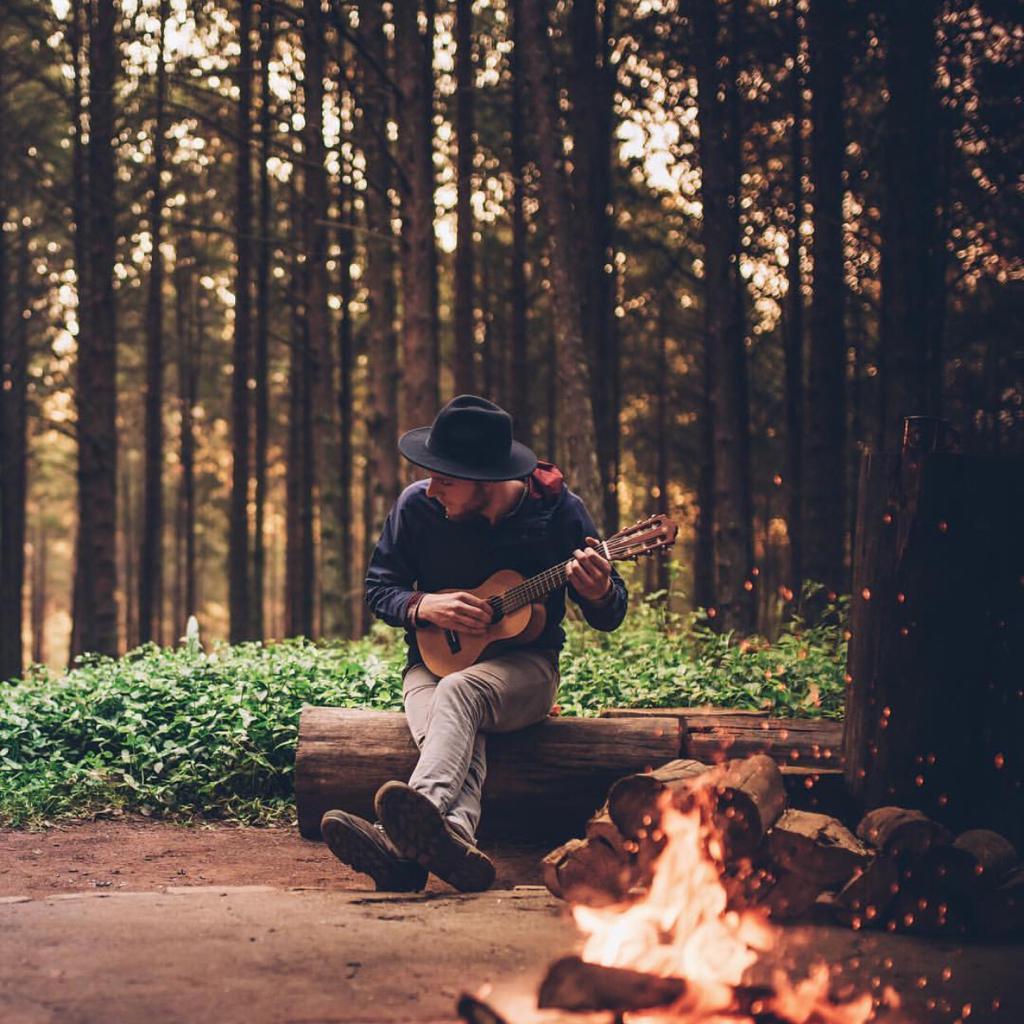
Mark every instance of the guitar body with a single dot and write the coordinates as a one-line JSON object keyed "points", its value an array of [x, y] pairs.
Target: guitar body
{"points": [[445, 651]]}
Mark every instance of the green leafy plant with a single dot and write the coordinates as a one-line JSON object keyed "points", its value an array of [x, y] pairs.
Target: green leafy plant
{"points": [[179, 732]]}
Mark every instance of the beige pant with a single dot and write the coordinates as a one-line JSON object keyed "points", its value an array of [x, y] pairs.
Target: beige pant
{"points": [[448, 717]]}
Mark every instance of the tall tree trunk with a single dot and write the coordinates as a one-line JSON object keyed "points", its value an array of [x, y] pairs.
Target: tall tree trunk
{"points": [[573, 375], [661, 460], [96, 384], [262, 367], [326, 454], [382, 343], [299, 578], [908, 250], [519, 385], [719, 151], [238, 538], [13, 447], [592, 86], [824, 511], [704, 532], [39, 591], [346, 401], [151, 569], [419, 346], [794, 321], [130, 562], [465, 328]]}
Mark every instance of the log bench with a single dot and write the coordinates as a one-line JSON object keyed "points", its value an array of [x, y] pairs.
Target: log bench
{"points": [[542, 782]]}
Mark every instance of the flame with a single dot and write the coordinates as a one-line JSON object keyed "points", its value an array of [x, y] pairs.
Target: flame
{"points": [[682, 928]]}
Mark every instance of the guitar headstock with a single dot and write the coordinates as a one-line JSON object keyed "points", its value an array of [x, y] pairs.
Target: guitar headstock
{"points": [[655, 533]]}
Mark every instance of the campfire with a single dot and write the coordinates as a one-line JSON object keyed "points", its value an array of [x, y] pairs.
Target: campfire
{"points": [[683, 875]]}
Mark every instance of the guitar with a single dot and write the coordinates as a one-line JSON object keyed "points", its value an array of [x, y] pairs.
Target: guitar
{"points": [[519, 614]]}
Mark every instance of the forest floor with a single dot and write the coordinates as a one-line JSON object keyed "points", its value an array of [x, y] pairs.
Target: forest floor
{"points": [[130, 920]]}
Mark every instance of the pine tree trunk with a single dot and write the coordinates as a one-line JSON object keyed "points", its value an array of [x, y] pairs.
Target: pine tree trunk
{"points": [[419, 346], [13, 452], [591, 92], [238, 539], [574, 391], [719, 151], [128, 554], [383, 345], [465, 329], [39, 592], [262, 367], [519, 387], [96, 384], [908, 250], [151, 569], [824, 512], [333, 621], [353, 594], [794, 323]]}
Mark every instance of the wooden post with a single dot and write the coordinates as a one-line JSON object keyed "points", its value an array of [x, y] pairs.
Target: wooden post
{"points": [[935, 700]]}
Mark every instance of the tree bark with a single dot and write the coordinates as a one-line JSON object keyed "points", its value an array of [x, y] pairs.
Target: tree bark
{"points": [[382, 421], [326, 454], [13, 447], [794, 323], [419, 346], [909, 246], [238, 539], [96, 384], [824, 512], [573, 375], [151, 562], [465, 327], [725, 347], [40, 592], [518, 383], [591, 91], [262, 367], [547, 779]]}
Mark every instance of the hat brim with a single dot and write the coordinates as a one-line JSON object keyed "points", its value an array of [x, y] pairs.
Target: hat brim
{"points": [[519, 463]]}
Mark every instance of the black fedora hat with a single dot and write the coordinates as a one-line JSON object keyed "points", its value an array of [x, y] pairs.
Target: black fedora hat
{"points": [[470, 439]]}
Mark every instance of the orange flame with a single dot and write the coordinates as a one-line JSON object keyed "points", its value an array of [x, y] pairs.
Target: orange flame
{"points": [[683, 928]]}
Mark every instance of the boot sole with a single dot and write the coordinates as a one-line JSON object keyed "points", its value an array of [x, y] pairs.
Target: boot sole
{"points": [[419, 832], [347, 842]]}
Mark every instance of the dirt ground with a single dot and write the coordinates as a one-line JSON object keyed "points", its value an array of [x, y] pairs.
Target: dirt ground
{"points": [[127, 921], [137, 854]]}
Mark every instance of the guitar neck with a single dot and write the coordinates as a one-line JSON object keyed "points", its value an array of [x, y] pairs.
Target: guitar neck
{"points": [[539, 586]]}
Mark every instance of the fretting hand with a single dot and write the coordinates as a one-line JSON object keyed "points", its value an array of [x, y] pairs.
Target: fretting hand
{"points": [[459, 611], [590, 573]]}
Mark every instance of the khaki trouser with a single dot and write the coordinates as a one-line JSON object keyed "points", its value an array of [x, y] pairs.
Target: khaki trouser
{"points": [[448, 717]]}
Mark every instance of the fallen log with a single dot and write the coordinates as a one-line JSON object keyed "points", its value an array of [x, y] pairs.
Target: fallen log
{"points": [[588, 871], [574, 984], [816, 847], [746, 797], [865, 900], [901, 832], [720, 734], [999, 913], [544, 781]]}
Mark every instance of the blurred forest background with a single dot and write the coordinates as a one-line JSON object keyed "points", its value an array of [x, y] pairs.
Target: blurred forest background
{"points": [[705, 252]]}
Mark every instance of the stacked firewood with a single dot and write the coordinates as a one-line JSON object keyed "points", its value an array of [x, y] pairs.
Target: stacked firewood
{"points": [[900, 870]]}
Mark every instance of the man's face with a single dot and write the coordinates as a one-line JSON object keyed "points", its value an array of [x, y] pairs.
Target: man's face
{"points": [[462, 499]]}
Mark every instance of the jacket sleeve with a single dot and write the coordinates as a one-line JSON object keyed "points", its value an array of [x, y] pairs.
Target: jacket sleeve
{"points": [[392, 573], [609, 614]]}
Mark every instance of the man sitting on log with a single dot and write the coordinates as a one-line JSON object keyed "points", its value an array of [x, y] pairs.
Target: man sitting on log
{"points": [[488, 505]]}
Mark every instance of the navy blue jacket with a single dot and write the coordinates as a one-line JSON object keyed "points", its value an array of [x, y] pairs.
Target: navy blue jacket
{"points": [[420, 549]]}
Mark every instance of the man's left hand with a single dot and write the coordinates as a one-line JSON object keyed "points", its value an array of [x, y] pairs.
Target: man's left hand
{"points": [[590, 573]]}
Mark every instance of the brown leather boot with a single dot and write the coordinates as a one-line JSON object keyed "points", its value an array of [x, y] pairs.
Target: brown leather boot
{"points": [[366, 848]]}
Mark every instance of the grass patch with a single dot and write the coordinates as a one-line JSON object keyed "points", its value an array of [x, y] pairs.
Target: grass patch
{"points": [[177, 732]]}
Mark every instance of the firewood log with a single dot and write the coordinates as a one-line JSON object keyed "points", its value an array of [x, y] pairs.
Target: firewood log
{"points": [[633, 800], [789, 895], [817, 847], [901, 832], [574, 984], [601, 826], [865, 900], [999, 913], [588, 871], [748, 798]]}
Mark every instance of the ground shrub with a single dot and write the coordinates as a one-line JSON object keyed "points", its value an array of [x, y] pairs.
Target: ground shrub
{"points": [[179, 732]]}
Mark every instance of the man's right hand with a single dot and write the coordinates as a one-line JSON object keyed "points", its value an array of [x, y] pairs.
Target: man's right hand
{"points": [[459, 611]]}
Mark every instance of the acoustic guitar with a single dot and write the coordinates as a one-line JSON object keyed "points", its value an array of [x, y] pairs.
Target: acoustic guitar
{"points": [[519, 614]]}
